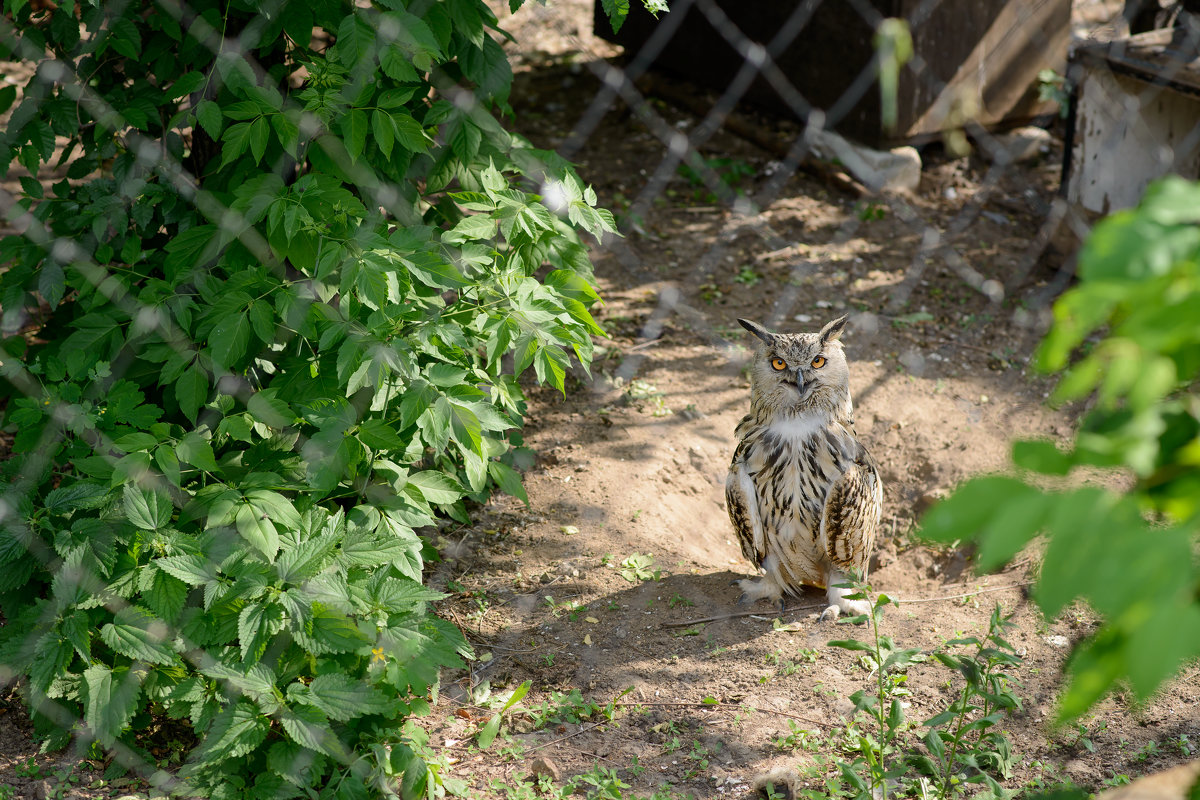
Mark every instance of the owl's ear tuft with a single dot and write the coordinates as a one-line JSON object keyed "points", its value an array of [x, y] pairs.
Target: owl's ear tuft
{"points": [[767, 337], [833, 330]]}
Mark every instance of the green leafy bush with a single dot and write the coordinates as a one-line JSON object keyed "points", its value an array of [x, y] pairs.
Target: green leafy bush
{"points": [[265, 317], [1131, 553]]}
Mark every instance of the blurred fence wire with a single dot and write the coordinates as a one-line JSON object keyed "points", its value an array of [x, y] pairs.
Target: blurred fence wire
{"points": [[1119, 85]]}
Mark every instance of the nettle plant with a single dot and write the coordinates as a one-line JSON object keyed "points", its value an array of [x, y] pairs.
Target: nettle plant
{"points": [[278, 271]]}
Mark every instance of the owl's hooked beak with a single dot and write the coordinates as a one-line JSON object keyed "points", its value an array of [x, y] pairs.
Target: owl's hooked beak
{"points": [[805, 389]]}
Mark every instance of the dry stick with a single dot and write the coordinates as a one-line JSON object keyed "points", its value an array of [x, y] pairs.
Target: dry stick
{"points": [[723, 705], [734, 615], [569, 735], [969, 594], [643, 345], [802, 608]]}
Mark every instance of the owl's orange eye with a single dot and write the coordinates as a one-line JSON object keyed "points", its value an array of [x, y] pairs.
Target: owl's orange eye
{"points": [[778, 364], [818, 362]]}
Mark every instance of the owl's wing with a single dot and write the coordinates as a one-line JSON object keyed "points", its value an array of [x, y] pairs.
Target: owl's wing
{"points": [[742, 504], [852, 510]]}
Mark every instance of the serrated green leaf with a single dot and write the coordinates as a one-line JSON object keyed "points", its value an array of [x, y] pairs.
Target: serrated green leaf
{"points": [[409, 133], [383, 132], [270, 410], [465, 428], [305, 559], [343, 698], [256, 527], [551, 364], [147, 509], [81, 494], [332, 632], [111, 698], [377, 434], [508, 480], [229, 338], [257, 682], [354, 128], [432, 270], [234, 732], [436, 487], [194, 570], [208, 114], [309, 727], [166, 596], [370, 550], [257, 624], [138, 634], [260, 134], [236, 139], [191, 390], [275, 507], [194, 449]]}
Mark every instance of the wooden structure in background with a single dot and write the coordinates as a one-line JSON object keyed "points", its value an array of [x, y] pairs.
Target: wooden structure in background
{"points": [[974, 60], [1136, 117]]}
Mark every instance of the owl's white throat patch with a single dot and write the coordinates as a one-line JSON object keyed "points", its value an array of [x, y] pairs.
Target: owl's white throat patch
{"points": [[798, 427]]}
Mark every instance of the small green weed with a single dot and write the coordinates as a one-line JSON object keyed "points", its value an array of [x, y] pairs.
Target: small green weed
{"points": [[870, 211], [798, 738], [747, 276], [603, 783], [962, 749], [637, 568], [710, 293], [572, 608]]}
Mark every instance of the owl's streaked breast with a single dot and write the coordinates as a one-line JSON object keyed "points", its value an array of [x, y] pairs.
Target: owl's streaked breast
{"points": [[792, 463]]}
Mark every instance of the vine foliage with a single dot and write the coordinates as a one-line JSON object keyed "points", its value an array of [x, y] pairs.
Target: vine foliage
{"points": [[278, 269]]}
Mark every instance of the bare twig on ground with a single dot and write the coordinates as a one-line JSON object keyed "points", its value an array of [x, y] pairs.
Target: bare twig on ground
{"points": [[736, 614], [719, 704], [969, 594]]}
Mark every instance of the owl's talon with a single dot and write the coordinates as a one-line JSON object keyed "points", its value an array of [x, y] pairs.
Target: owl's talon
{"points": [[830, 612]]}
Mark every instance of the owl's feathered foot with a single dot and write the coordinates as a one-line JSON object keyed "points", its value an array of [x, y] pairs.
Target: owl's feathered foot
{"points": [[755, 589], [839, 601]]}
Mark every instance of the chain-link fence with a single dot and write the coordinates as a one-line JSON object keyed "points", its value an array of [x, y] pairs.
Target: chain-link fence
{"points": [[128, 590]]}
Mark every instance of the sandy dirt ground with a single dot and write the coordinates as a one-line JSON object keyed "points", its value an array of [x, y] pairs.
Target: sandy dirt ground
{"points": [[614, 583]]}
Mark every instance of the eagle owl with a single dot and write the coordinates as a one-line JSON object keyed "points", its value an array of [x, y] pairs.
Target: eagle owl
{"points": [[803, 493]]}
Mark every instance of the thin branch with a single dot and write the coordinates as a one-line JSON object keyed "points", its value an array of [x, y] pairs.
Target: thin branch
{"points": [[969, 594], [735, 615], [719, 704], [569, 735]]}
